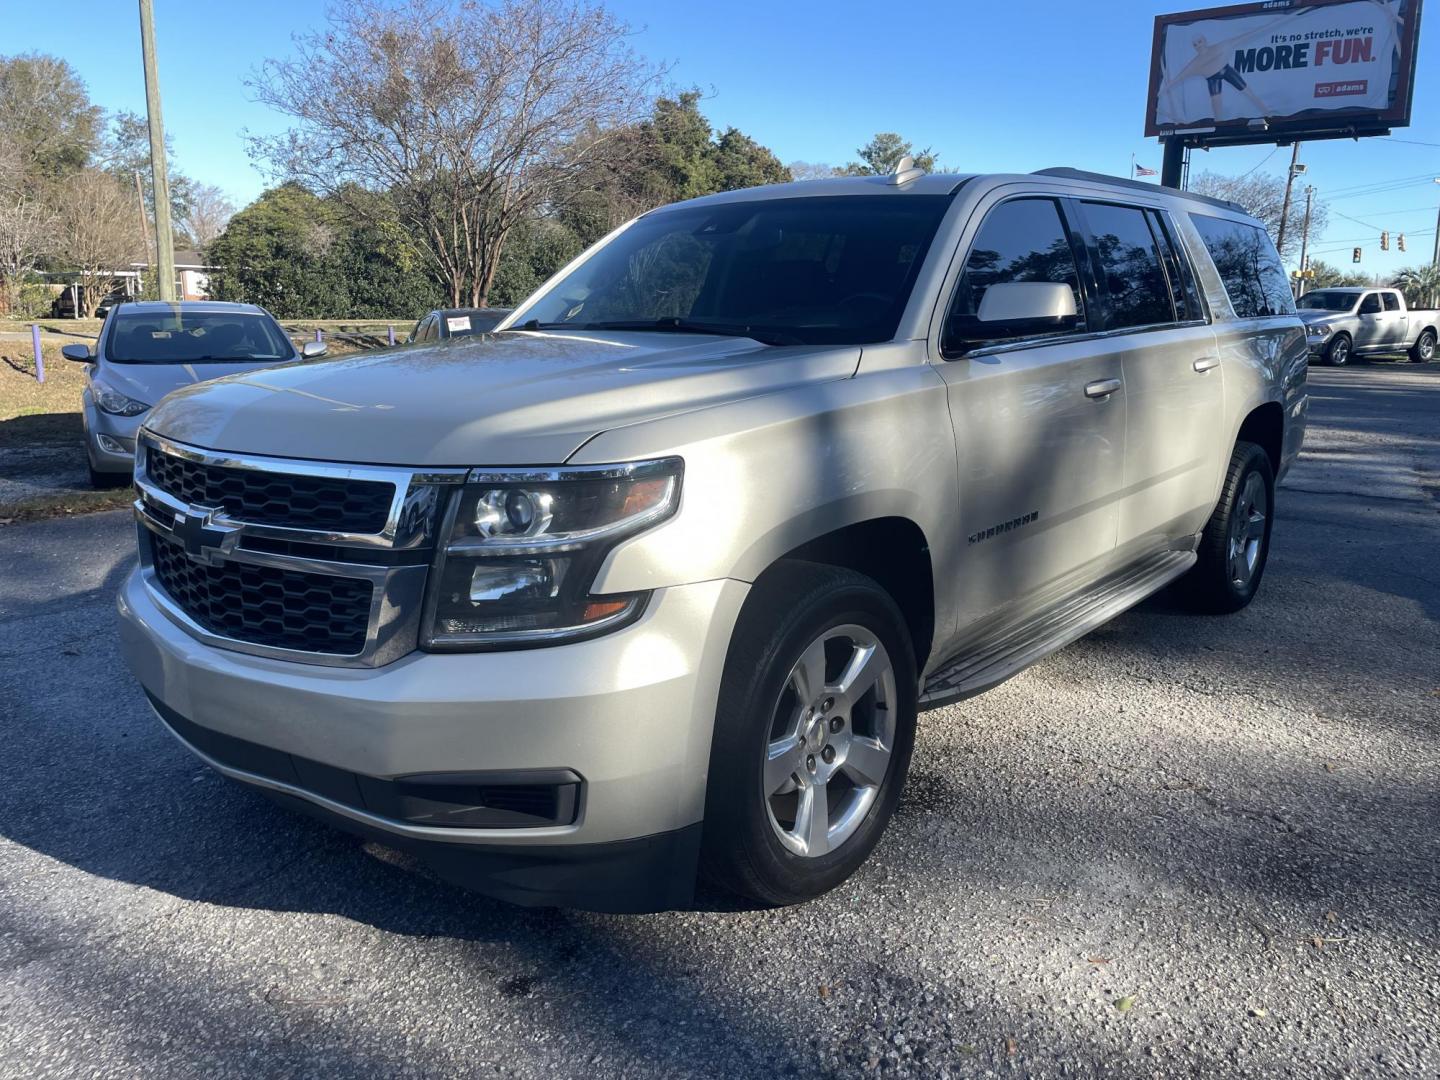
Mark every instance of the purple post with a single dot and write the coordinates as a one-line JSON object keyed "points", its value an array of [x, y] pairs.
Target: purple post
{"points": [[39, 356], [391, 330], [319, 335]]}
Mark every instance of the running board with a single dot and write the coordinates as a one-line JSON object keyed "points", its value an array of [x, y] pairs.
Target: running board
{"points": [[987, 663]]}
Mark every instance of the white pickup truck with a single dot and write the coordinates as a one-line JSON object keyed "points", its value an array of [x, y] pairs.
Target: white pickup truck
{"points": [[1344, 323]]}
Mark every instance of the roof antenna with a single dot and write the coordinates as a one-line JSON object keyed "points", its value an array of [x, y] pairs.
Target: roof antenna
{"points": [[905, 171]]}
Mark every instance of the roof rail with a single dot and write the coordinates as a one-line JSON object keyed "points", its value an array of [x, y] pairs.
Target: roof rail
{"points": [[905, 171], [1120, 181]]}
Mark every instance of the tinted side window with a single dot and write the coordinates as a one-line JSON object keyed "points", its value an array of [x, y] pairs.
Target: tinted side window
{"points": [[1183, 289], [1370, 305], [1020, 240], [1130, 265], [1392, 302], [1249, 265]]}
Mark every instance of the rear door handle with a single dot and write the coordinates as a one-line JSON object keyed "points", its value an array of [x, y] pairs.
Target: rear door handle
{"points": [[1205, 363], [1102, 388]]}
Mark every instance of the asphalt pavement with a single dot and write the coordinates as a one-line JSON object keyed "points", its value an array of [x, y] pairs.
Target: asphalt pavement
{"points": [[1181, 846]]}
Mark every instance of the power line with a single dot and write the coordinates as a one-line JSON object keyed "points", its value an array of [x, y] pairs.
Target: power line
{"points": [[1388, 180], [1410, 142]]}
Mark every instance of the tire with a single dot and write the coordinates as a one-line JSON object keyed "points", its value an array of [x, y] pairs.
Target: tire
{"points": [[757, 834], [1227, 575], [1339, 351], [1423, 351]]}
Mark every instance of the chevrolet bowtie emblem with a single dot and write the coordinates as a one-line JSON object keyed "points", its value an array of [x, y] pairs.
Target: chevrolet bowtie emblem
{"points": [[202, 539]]}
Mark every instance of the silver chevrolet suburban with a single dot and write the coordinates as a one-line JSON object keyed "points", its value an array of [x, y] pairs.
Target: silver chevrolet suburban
{"points": [[653, 581]]}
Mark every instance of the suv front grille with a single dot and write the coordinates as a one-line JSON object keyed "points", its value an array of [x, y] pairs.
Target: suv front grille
{"points": [[288, 500], [264, 605]]}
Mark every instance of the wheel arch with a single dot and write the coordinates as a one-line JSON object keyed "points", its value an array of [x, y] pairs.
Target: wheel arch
{"points": [[1264, 425], [894, 552]]}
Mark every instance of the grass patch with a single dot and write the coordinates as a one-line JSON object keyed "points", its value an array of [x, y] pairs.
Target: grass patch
{"points": [[65, 504]]}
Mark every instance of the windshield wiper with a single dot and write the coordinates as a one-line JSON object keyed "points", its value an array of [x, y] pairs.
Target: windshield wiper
{"points": [[673, 325]]}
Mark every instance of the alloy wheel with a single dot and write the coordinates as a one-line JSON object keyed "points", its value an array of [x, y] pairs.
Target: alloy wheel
{"points": [[1247, 531], [830, 743]]}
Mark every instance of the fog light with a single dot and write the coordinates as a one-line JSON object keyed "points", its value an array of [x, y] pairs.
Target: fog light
{"points": [[111, 446]]}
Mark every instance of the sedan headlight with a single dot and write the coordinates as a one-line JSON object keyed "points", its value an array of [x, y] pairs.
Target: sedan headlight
{"points": [[112, 401], [520, 550]]}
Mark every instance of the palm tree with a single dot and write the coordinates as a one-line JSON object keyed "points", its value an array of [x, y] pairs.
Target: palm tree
{"points": [[1420, 284]]}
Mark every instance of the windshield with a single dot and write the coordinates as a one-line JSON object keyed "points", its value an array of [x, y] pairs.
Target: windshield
{"points": [[192, 337], [818, 270], [1327, 301]]}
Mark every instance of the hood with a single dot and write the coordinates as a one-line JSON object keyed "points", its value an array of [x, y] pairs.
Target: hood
{"points": [[151, 382], [1316, 316], [517, 398]]}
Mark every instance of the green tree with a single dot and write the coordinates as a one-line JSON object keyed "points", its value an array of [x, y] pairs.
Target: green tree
{"points": [[1420, 284], [46, 117], [301, 257], [1328, 276], [536, 249], [125, 151], [882, 154], [742, 162]]}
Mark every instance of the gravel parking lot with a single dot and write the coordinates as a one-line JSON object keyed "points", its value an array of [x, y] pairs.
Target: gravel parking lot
{"points": [[1182, 846]]}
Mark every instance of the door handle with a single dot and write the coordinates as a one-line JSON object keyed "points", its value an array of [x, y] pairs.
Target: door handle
{"points": [[1205, 363], [1102, 388]]}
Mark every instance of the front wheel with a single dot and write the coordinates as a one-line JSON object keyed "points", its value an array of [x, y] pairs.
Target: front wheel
{"points": [[1236, 541], [1337, 353], [1423, 351], [813, 733]]}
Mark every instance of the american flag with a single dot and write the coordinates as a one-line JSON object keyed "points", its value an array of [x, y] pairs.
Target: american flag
{"points": [[1140, 170]]}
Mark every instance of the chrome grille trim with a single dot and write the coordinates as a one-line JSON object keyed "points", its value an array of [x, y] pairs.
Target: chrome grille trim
{"points": [[397, 599]]}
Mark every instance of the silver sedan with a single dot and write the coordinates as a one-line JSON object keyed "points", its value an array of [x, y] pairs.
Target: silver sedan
{"points": [[145, 350]]}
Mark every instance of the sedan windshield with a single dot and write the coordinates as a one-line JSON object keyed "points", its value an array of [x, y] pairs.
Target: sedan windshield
{"points": [[194, 337], [1327, 301], [818, 270]]}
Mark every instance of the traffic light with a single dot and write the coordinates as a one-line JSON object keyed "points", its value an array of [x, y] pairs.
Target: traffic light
{"points": [[1355, 255], [1385, 240], [1400, 241]]}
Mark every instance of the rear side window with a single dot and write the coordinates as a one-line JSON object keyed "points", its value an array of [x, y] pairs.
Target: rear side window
{"points": [[1020, 240], [1183, 289], [1130, 266], [1249, 266], [1392, 301]]}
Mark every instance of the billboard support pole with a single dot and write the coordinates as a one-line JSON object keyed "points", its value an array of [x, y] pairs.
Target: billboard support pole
{"points": [[1173, 165]]}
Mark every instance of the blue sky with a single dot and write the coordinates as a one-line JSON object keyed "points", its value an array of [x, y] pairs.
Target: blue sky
{"points": [[1010, 86]]}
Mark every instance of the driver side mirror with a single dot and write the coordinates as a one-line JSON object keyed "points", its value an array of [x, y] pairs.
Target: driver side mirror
{"points": [[1015, 309], [79, 353]]}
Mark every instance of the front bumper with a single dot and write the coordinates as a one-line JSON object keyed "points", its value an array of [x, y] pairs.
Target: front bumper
{"points": [[630, 713], [115, 453]]}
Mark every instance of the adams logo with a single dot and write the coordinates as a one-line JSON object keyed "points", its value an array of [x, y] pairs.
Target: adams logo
{"points": [[1004, 527]]}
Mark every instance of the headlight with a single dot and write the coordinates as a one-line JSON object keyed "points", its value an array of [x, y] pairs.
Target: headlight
{"points": [[521, 547], [1321, 331], [111, 401]]}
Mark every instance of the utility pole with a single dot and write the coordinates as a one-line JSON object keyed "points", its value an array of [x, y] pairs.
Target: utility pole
{"points": [[144, 223], [1284, 207], [1305, 238], [164, 238]]}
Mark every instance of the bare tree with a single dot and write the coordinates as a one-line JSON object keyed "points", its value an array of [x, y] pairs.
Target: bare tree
{"points": [[467, 117], [96, 234], [1263, 197], [813, 170], [207, 215], [25, 224]]}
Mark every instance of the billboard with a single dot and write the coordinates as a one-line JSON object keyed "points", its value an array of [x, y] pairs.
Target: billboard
{"points": [[1322, 66]]}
